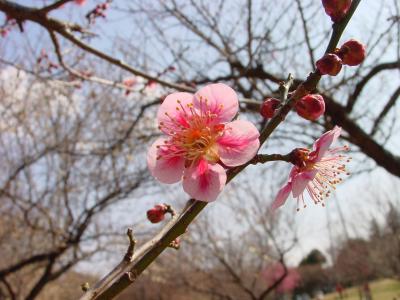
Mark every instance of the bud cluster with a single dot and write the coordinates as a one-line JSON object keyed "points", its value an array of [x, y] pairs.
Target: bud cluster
{"points": [[351, 53], [8, 25], [310, 107], [98, 11], [45, 63]]}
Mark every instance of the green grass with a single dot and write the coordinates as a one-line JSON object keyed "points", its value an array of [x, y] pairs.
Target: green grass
{"points": [[385, 289]]}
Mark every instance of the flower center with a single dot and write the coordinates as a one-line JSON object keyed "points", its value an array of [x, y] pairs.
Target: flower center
{"points": [[193, 134], [329, 170]]}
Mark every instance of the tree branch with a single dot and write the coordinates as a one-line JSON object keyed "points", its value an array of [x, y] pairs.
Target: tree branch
{"points": [[23, 13], [360, 86], [386, 109], [151, 250]]}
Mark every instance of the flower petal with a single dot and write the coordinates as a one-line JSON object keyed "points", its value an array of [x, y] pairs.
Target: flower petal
{"points": [[300, 181], [176, 114], [283, 194], [239, 143], [165, 170], [221, 101], [324, 142], [204, 181]]}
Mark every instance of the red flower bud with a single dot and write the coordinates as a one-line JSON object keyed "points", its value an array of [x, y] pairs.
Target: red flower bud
{"points": [[330, 64], [269, 107], [310, 107], [336, 9], [80, 2], [352, 53], [157, 213]]}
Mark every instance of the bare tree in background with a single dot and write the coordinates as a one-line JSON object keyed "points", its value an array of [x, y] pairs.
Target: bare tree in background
{"points": [[68, 160], [64, 162]]}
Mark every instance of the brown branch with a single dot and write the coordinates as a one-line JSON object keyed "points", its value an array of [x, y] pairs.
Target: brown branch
{"points": [[9, 289], [264, 158], [28, 261], [386, 109], [23, 13], [306, 35], [55, 5], [276, 283], [362, 139], [360, 86]]}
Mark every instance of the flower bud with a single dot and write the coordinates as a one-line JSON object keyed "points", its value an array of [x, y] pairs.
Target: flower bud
{"points": [[352, 53], [336, 9], [157, 213], [329, 64], [310, 107], [269, 107], [80, 2]]}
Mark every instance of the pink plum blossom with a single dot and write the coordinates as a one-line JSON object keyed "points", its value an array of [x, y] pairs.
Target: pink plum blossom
{"points": [[275, 271], [80, 2], [316, 171], [201, 140]]}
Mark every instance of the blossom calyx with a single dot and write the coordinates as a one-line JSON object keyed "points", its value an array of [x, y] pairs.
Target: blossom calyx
{"points": [[329, 64], [310, 107], [269, 107], [352, 53]]}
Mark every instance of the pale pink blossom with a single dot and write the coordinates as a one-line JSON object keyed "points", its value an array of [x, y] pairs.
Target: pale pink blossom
{"points": [[80, 2], [274, 272], [200, 141], [317, 171]]}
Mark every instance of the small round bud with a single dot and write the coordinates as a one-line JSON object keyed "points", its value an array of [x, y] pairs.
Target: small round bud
{"points": [[352, 53], [80, 2], [269, 107], [329, 64], [310, 107], [336, 9], [157, 213]]}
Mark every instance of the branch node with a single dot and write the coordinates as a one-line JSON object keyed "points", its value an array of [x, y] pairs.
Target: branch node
{"points": [[85, 286], [131, 276], [169, 209], [131, 247], [175, 244]]}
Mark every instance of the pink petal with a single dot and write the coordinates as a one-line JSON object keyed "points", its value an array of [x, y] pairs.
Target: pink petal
{"points": [[165, 170], [221, 100], [324, 142], [300, 181], [239, 143], [204, 181], [80, 2], [169, 106], [283, 194]]}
